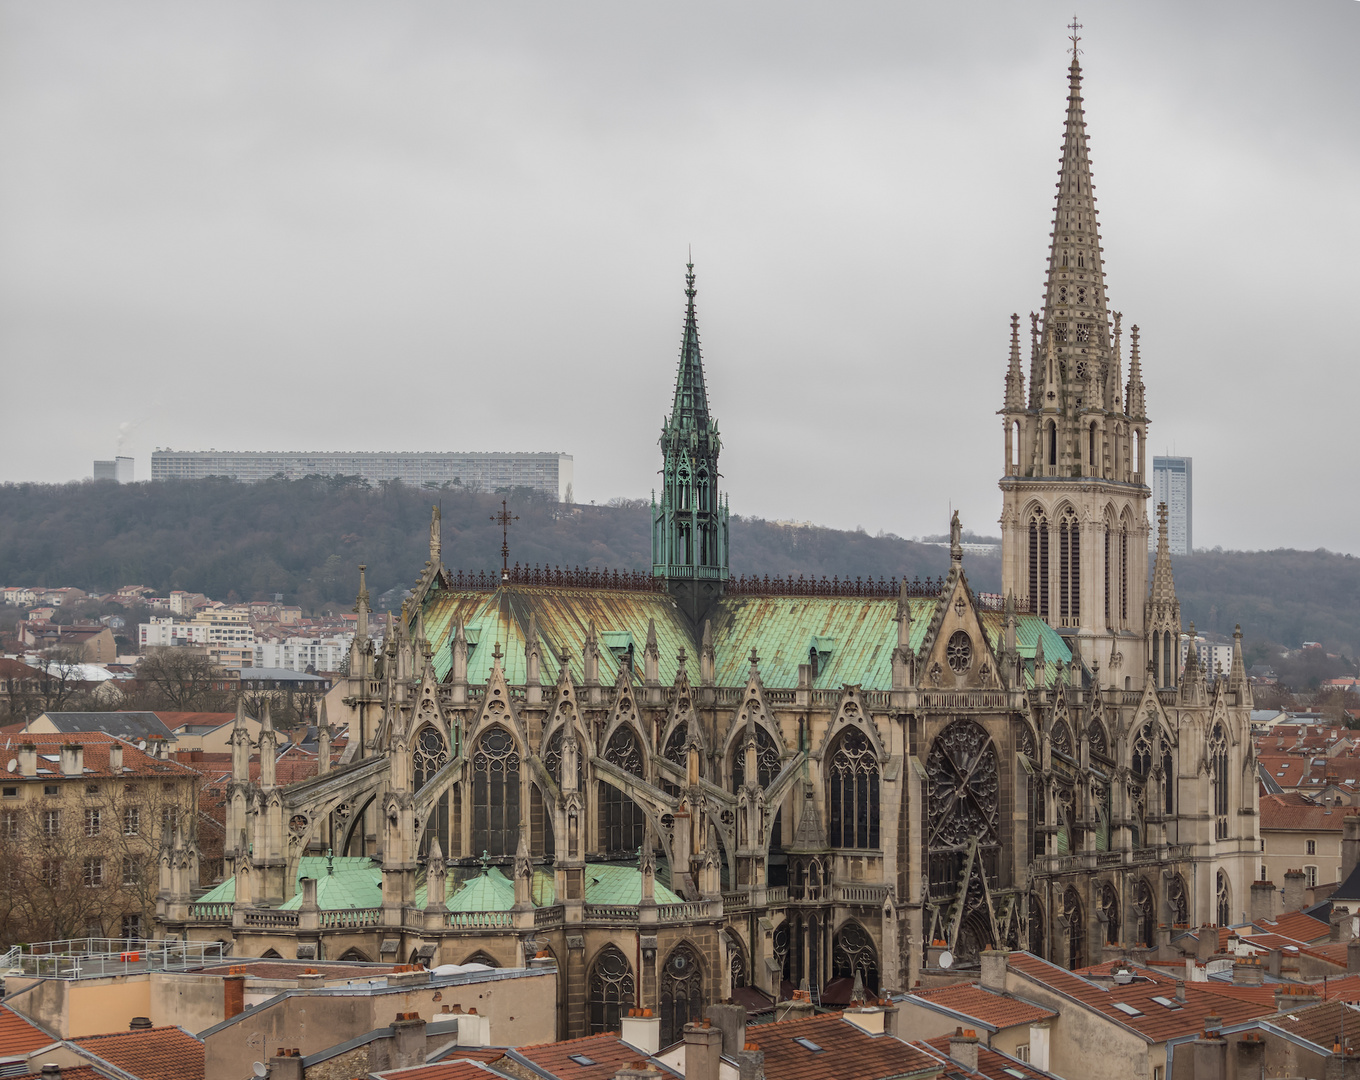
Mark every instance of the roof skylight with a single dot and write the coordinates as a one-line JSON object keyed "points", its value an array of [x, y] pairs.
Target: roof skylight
{"points": [[808, 1044], [1126, 1008], [581, 1059]]}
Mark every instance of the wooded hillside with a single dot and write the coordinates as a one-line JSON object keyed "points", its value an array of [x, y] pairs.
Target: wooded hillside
{"points": [[305, 538]]}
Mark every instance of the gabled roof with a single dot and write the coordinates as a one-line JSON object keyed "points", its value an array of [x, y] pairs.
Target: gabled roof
{"points": [[992, 1064], [1132, 1005], [1350, 888], [162, 1053], [1297, 926], [461, 1069], [125, 725], [1321, 1024], [845, 1051], [604, 1054], [96, 756], [19, 1036], [986, 1006]]}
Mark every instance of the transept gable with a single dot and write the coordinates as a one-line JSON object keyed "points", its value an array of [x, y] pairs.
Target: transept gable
{"points": [[753, 711], [426, 709], [957, 651], [683, 727], [624, 713]]}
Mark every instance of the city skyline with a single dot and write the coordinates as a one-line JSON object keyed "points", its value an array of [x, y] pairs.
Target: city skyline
{"points": [[421, 201]]}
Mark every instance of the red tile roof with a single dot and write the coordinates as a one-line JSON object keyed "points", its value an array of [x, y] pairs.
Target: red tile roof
{"points": [[274, 969], [96, 757], [1154, 1021], [609, 1052], [1297, 926], [991, 1063], [1322, 1023], [18, 1035], [1289, 812], [163, 1053], [847, 1052], [995, 1010]]}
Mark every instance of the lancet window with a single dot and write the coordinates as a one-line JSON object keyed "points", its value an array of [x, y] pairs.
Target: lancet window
{"points": [[767, 760], [1218, 769], [552, 760], [682, 993], [1109, 908], [1177, 902], [854, 952], [610, 990], [429, 755], [623, 824], [1038, 563], [1069, 568], [1145, 914], [496, 793], [1076, 930], [1224, 900], [853, 796]]}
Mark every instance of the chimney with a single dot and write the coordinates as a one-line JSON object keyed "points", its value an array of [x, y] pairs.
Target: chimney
{"points": [[731, 1021], [1039, 1036], [892, 1019], [1180, 991], [1207, 944], [28, 759], [1340, 928], [1211, 1053], [474, 1030], [641, 1029], [994, 966], [408, 1040], [286, 1065], [1295, 996], [1353, 954], [963, 1048], [1293, 890], [797, 1007], [72, 759], [637, 1070], [233, 996], [1265, 899], [703, 1051], [1350, 844], [1247, 971], [1251, 1055], [115, 757], [751, 1063]]}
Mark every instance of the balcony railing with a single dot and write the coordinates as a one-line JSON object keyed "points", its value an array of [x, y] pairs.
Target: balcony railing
{"points": [[350, 918]]}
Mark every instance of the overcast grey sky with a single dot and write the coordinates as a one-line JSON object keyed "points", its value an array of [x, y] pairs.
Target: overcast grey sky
{"points": [[440, 225]]}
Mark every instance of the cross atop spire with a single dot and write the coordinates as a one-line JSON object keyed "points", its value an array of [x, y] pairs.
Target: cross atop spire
{"points": [[1074, 26]]}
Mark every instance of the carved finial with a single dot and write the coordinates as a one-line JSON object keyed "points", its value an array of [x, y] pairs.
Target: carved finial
{"points": [[486, 862], [496, 653], [754, 659]]}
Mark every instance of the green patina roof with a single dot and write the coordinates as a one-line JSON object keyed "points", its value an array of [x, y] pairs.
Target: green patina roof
{"points": [[855, 637], [354, 883], [608, 883]]}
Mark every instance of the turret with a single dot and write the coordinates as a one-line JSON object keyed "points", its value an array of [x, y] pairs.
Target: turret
{"points": [[1163, 618], [269, 748]]}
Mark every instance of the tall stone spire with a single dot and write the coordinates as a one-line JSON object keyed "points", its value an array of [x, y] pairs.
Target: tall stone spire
{"points": [[690, 523], [1163, 618], [1134, 398], [1075, 312]]}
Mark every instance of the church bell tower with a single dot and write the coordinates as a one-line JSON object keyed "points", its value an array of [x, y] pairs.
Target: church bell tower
{"points": [[690, 522], [1074, 523]]}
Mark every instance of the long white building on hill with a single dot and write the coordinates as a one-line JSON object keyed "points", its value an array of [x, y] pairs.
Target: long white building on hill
{"points": [[548, 473]]}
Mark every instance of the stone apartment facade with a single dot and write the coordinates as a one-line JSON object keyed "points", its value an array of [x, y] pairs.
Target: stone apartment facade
{"points": [[681, 783]]}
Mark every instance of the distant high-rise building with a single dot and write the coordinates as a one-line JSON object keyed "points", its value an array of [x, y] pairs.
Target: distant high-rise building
{"points": [[1171, 484], [119, 469], [550, 474]]}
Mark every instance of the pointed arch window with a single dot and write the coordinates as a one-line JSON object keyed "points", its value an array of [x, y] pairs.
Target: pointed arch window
{"points": [[623, 825], [1109, 908], [682, 993], [1051, 437], [610, 990], [767, 760], [1224, 900], [1124, 574], [1145, 914], [853, 953], [429, 755], [1109, 551], [495, 793], [552, 760], [1218, 769], [1076, 930], [1038, 563], [1069, 568], [853, 795]]}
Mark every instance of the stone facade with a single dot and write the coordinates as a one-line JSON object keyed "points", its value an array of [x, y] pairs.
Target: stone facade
{"points": [[835, 780]]}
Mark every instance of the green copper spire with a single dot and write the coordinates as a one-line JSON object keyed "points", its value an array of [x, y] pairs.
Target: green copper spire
{"points": [[690, 523]]}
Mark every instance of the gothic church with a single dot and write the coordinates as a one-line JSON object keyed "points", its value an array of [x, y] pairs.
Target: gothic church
{"points": [[677, 783]]}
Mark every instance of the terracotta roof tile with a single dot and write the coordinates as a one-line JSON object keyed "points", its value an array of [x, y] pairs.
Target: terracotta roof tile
{"points": [[1151, 1019], [847, 1052], [1263, 995], [1344, 988], [1297, 926], [275, 969], [995, 1010], [992, 1064], [1279, 812], [607, 1051], [163, 1053], [1322, 1023], [96, 755], [18, 1035]]}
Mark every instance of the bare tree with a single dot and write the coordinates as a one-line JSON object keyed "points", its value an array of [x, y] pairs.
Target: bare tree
{"points": [[180, 680]]}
